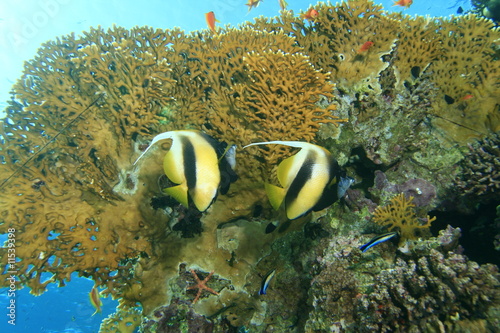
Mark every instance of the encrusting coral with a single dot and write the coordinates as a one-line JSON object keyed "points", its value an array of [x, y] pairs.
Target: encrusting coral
{"points": [[85, 108]]}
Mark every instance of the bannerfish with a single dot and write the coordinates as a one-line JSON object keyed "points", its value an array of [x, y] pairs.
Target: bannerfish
{"points": [[197, 163], [95, 300], [266, 281], [311, 180], [377, 240]]}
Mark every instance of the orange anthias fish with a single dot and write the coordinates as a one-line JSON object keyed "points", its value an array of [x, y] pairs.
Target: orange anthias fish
{"points": [[403, 3], [365, 47], [310, 15], [467, 97], [253, 4], [210, 17], [95, 300]]}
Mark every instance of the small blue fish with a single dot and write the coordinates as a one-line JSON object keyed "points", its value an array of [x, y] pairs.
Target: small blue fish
{"points": [[377, 240], [266, 281]]}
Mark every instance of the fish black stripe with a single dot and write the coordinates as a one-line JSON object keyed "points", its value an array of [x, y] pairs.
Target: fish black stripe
{"points": [[329, 195], [189, 157], [303, 176]]}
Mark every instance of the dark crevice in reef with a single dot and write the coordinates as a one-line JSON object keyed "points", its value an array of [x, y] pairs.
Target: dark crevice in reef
{"points": [[478, 231]]}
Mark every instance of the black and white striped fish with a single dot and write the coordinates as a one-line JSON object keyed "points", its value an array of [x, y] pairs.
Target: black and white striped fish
{"points": [[311, 180], [198, 164]]}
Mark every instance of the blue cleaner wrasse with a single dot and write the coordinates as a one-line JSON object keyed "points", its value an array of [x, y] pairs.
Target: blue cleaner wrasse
{"points": [[377, 240], [198, 164], [311, 180], [266, 281], [95, 300]]}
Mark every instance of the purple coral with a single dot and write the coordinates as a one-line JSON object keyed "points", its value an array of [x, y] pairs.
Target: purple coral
{"points": [[423, 192]]}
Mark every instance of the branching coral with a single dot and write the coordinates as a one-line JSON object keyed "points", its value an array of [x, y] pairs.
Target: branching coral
{"points": [[400, 215], [481, 176], [66, 140]]}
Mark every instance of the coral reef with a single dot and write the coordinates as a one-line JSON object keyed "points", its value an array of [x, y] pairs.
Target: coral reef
{"points": [[421, 292], [426, 288], [408, 106]]}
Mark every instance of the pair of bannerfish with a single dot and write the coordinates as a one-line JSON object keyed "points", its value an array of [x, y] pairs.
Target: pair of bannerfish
{"points": [[201, 167]]}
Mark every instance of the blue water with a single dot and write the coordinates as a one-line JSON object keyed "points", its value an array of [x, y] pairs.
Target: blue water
{"points": [[25, 24], [66, 309]]}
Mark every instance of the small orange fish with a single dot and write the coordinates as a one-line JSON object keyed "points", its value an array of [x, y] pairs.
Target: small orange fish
{"points": [[253, 4], [282, 4], [95, 300], [466, 97], [365, 47], [310, 15], [403, 3], [210, 17]]}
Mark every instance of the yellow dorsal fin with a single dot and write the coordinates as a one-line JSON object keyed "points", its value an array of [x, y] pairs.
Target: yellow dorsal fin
{"points": [[179, 193], [275, 194]]}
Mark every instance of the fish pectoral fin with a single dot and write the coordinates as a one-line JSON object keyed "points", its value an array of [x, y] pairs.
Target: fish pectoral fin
{"points": [[275, 194], [179, 193]]}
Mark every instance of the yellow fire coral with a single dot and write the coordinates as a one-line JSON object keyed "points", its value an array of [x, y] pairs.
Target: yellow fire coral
{"points": [[468, 78], [456, 55], [79, 104], [238, 93], [85, 105], [400, 215], [74, 128]]}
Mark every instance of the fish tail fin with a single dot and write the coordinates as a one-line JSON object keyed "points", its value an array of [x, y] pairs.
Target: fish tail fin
{"points": [[179, 193], [276, 195], [159, 137]]}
